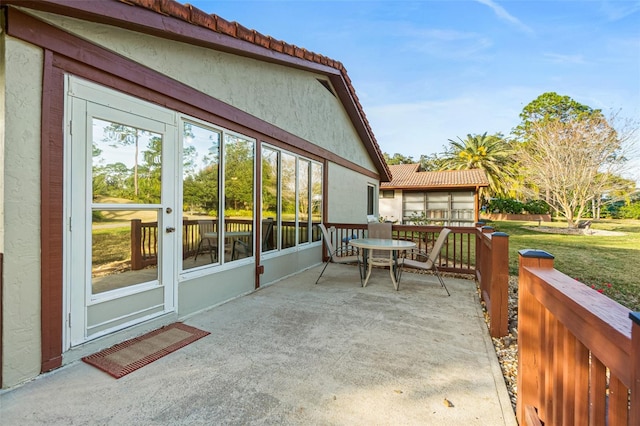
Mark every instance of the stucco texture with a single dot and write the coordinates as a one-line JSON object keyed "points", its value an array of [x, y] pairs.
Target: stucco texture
{"points": [[347, 196], [21, 204], [288, 98]]}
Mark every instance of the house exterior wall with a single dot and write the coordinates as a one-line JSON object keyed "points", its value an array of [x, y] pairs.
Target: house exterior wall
{"points": [[391, 208], [288, 98], [20, 233], [347, 196]]}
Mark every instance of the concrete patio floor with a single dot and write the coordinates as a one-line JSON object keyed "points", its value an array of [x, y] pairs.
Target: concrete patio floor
{"points": [[298, 353]]}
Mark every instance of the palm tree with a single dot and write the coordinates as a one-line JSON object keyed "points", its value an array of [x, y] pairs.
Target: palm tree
{"points": [[491, 153]]}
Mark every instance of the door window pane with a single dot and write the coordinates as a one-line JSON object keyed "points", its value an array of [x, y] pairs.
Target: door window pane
{"points": [[124, 248], [238, 196], [126, 164], [200, 193]]}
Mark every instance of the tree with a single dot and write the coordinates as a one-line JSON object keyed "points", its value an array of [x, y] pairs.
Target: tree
{"points": [[491, 153], [573, 160], [125, 135], [551, 107], [431, 163], [398, 159]]}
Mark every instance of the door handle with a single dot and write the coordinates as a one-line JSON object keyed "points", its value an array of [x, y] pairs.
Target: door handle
{"points": [[170, 229]]}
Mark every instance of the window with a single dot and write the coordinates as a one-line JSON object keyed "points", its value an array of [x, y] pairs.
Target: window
{"points": [[291, 198], [448, 208], [371, 190], [217, 195], [387, 193], [270, 197]]}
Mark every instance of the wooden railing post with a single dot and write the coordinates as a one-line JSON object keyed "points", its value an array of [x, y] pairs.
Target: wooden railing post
{"points": [[485, 264], [499, 285], [136, 244], [530, 336], [634, 414]]}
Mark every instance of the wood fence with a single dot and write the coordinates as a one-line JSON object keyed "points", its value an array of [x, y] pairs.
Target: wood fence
{"points": [[579, 360], [144, 237]]}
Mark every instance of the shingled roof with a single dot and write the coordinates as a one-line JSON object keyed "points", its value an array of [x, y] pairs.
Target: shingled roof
{"points": [[409, 176]]}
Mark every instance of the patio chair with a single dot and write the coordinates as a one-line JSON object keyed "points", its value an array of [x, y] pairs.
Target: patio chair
{"points": [[243, 248], [267, 234], [339, 255], [430, 264], [208, 236], [380, 230]]}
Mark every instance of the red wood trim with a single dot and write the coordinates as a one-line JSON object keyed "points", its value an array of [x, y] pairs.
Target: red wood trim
{"points": [[157, 24], [156, 87], [51, 214]]}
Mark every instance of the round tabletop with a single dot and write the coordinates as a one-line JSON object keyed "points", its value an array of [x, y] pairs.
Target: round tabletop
{"points": [[382, 244]]}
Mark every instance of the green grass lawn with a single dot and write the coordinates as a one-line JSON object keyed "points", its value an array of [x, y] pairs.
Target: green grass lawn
{"points": [[596, 260]]}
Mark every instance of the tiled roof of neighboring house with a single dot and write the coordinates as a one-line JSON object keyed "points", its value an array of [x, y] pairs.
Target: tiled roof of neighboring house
{"points": [[195, 16], [409, 176]]}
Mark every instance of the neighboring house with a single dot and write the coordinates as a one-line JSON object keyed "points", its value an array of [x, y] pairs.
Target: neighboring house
{"points": [[436, 198], [157, 161]]}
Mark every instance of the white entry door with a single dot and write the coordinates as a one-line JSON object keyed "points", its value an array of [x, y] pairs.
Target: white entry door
{"points": [[120, 244]]}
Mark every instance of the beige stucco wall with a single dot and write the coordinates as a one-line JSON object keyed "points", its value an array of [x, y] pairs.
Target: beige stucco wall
{"points": [[347, 195], [289, 98], [20, 238]]}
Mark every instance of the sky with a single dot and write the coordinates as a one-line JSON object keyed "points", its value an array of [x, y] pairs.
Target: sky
{"points": [[428, 71]]}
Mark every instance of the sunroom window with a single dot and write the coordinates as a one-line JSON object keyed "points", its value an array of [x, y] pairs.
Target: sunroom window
{"points": [[291, 198]]}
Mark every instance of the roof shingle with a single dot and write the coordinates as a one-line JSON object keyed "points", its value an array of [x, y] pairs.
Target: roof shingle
{"points": [[409, 176]]}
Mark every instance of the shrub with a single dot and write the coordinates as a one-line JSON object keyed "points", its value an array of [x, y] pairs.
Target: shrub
{"points": [[506, 205], [537, 207], [509, 205], [630, 211], [97, 216]]}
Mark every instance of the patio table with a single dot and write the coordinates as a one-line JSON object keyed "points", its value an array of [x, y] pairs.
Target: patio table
{"points": [[382, 244]]}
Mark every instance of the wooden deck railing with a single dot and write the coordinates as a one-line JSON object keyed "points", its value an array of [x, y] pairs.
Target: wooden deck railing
{"points": [[579, 361], [492, 274], [144, 237], [473, 251]]}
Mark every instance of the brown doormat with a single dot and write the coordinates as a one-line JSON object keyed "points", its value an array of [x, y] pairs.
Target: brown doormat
{"points": [[128, 356]]}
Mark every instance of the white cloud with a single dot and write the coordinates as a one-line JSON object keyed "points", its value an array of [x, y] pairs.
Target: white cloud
{"points": [[446, 43], [566, 59], [506, 16], [425, 127], [617, 10]]}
